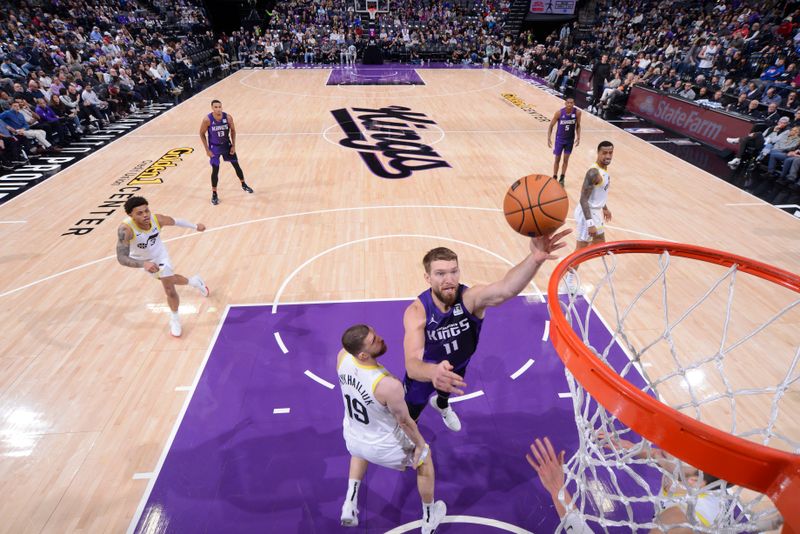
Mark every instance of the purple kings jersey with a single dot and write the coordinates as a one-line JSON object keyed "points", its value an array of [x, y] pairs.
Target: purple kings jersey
{"points": [[219, 131], [451, 336], [566, 126]]}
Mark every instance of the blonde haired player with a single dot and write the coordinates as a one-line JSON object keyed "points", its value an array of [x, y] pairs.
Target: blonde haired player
{"points": [[592, 212], [377, 427], [139, 246]]}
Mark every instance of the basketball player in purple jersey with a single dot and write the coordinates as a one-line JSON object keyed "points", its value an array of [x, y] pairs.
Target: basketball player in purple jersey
{"points": [[443, 324], [221, 132], [568, 135]]}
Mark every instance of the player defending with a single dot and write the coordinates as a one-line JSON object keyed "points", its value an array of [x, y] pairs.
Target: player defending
{"points": [[593, 212], [139, 245], [568, 135], [443, 324], [221, 132], [377, 427]]}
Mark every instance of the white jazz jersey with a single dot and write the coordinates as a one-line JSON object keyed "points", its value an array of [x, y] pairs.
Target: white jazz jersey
{"points": [[599, 195], [146, 245], [365, 419], [705, 509]]}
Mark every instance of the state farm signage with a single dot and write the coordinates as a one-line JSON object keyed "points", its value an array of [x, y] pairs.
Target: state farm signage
{"points": [[705, 125]]}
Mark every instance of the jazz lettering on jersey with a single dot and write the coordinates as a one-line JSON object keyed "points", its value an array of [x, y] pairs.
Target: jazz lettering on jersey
{"points": [[388, 140], [349, 380], [449, 331]]}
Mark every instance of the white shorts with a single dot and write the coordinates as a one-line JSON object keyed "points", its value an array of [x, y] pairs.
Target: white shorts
{"points": [[394, 453], [165, 268], [583, 228]]}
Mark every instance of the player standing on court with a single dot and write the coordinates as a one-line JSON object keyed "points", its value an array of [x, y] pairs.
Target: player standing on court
{"points": [[443, 324], [139, 245], [568, 135], [592, 212], [377, 428], [221, 141]]}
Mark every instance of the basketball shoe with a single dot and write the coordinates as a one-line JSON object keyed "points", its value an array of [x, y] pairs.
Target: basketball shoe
{"points": [[431, 520], [175, 327], [198, 283], [449, 416], [349, 514], [214, 198], [246, 188]]}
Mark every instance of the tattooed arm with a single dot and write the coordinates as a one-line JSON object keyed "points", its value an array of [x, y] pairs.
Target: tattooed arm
{"points": [[592, 179], [124, 236]]}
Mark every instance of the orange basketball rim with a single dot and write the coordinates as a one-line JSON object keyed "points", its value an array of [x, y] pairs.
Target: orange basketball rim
{"points": [[772, 472]]}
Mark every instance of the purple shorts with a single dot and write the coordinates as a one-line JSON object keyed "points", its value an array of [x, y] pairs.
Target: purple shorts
{"points": [[221, 150], [562, 146]]}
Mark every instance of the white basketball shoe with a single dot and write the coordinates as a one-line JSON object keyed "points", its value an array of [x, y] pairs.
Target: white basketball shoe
{"points": [[437, 513], [197, 282], [449, 416], [349, 514], [175, 327]]}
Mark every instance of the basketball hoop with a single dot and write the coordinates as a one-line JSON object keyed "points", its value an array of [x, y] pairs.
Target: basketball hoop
{"points": [[372, 10], [604, 397]]}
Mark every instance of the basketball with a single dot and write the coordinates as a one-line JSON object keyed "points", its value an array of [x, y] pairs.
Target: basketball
{"points": [[535, 205]]}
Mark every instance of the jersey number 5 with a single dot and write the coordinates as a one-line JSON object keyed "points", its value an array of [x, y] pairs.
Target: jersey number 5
{"points": [[356, 410]]}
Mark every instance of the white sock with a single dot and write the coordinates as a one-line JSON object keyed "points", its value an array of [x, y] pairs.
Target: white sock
{"points": [[426, 511], [175, 315], [352, 491]]}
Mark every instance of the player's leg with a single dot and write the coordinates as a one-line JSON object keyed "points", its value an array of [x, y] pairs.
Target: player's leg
{"points": [[567, 152], [358, 468], [556, 160], [214, 179], [441, 403], [432, 512], [173, 300], [582, 239], [234, 161]]}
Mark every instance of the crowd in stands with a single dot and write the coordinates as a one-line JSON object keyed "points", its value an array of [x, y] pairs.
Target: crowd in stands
{"points": [[68, 68]]}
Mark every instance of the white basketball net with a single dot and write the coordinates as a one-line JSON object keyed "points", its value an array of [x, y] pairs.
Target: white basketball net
{"points": [[618, 489]]}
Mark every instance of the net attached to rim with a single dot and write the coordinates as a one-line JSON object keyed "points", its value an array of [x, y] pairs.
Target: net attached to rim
{"points": [[372, 10], [696, 373]]}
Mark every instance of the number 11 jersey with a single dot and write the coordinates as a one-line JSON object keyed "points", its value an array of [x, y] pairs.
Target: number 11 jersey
{"points": [[451, 335]]}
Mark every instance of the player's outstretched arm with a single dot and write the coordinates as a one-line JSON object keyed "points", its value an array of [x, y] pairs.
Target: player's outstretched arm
{"points": [[166, 220], [441, 374], [390, 392], [478, 298]]}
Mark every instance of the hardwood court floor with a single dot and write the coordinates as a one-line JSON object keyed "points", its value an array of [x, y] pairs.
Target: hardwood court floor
{"points": [[88, 371]]}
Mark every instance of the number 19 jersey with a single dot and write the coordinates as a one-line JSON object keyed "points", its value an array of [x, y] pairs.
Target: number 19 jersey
{"points": [[365, 419]]}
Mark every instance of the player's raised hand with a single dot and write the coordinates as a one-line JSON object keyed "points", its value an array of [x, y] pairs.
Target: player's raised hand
{"points": [[444, 379], [547, 464], [542, 246]]}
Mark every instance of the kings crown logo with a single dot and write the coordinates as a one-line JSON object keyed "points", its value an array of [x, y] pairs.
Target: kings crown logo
{"points": [[388, 140]]}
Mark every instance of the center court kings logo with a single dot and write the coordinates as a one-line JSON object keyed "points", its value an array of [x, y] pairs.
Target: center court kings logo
{"points": [[393, 141]]}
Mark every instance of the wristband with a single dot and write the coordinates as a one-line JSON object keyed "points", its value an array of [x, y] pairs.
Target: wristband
{"points": [[424, 455], [185, 224]]}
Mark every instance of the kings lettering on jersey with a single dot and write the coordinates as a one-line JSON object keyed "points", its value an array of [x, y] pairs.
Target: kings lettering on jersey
{"points": [[451, 335]]}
